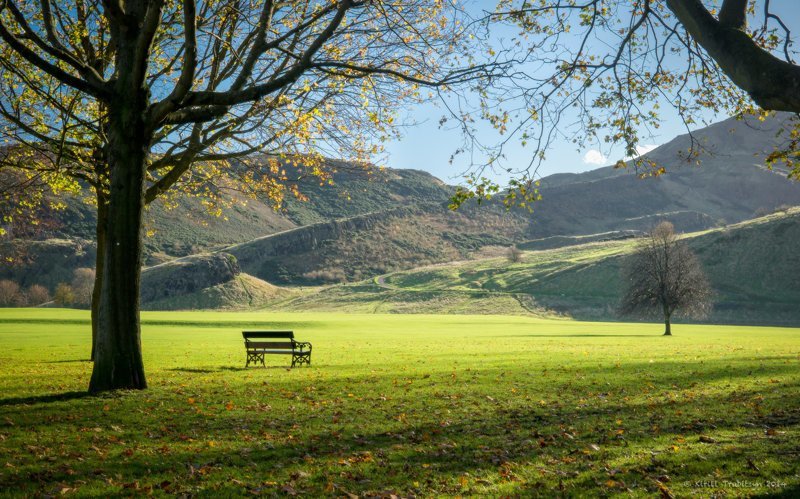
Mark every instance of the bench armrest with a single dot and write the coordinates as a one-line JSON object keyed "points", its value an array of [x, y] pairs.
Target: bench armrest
{"points": [[302, 346]]}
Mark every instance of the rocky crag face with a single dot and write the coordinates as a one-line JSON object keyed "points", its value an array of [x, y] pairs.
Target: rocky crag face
{"points": [[187, 275]]}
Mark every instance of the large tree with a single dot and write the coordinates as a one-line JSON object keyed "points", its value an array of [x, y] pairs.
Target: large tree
{"points": [[134, 97], [601, 73], [663, 277]]}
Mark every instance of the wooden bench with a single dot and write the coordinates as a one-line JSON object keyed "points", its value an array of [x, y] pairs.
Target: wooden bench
{"points": [[256, 348]]}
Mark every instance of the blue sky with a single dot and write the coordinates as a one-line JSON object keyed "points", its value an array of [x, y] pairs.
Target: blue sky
{"points": [[427, 146]]}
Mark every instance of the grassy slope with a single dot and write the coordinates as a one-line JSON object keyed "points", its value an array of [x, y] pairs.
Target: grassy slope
{"points": [[416, 237], [412, 405], [242, 292], [752, 267]]}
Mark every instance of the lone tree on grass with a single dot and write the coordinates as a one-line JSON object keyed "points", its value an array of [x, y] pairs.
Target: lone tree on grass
{"points": [[136, 98], [664, 277]]}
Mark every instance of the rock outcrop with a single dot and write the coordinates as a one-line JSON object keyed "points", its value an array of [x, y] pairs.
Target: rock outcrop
{"points": [[187, 275], [252, 254]]}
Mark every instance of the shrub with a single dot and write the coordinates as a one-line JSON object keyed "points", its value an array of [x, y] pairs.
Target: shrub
{"points": [[64, 295], [762, 212], [514, 254], [9, 293], [37, 295], [82, 286], [326, 275]]}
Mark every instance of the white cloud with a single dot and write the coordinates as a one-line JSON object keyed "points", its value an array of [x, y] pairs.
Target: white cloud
{"points": [[594, 157], [644, 149]]}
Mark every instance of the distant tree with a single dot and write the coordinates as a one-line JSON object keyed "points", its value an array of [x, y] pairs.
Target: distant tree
{"points": [[514, 254], [761, 212], [82, 286], [9, 293], [37, 295], [64, 296], [663, 277]]}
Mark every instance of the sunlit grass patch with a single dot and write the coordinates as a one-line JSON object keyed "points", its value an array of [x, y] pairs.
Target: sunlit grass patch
{"points": [[404, 404]]}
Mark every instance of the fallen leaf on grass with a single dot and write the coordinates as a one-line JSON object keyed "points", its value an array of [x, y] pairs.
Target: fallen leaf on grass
{"points": [[299, 474]]}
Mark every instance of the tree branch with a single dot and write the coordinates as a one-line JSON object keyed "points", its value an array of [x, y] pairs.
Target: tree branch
{"points": [[733, 14], [161, 109], [93, 88], [255, 92], [772, 83]]}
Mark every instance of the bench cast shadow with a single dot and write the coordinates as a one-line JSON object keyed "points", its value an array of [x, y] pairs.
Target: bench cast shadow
{"points": [[220, 369], [44, 399]]}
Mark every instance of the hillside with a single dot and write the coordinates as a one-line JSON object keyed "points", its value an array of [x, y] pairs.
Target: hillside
{"points": [[212, 281], [753, 267], [371, 223], [375, 243], [726, 183], [187, 228]]}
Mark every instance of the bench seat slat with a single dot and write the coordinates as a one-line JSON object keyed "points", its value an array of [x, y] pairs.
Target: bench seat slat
{"points": [[267, 334], [269, 344]]}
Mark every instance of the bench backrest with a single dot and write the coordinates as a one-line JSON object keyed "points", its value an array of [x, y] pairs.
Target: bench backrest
{"points": [[251, 339]]}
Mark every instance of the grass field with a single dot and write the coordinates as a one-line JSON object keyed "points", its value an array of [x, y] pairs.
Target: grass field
{"points": [[406, 405]]}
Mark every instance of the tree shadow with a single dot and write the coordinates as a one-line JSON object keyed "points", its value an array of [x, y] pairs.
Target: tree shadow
{"points": [[479, 443], [44, 399], [66, 361], [789, 492], [587, 335], [194, 370]]}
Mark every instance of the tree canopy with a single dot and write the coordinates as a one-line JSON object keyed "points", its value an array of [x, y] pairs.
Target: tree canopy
{"points": [[609, 72], [139, 98]]}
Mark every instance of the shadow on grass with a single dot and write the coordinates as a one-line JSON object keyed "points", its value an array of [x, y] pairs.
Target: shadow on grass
{"points": [[193, 370], [655, 335], [67, 361], [789, 492], [44, 399], [577, 442]]}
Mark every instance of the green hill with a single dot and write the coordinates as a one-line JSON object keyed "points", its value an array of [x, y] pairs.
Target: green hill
{"points": [[753, 266], [375, 243], [211, 281], [372, 223]]}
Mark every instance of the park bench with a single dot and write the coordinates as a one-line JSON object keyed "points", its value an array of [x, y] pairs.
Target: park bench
{"points": [[280, 342]]}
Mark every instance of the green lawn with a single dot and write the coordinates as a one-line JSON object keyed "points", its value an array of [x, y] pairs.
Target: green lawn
{"points": [[404, 404]]}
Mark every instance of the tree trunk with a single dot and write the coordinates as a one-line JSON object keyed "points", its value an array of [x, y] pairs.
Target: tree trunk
{"points": [[667, 329], [118, 355], [102, 222]]}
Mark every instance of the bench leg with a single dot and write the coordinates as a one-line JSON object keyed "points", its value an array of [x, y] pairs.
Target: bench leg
{"points": [[300, 359], [254, 358]]}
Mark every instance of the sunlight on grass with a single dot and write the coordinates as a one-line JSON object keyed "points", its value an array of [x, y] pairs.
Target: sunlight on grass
{"points": [[423, 405]]}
